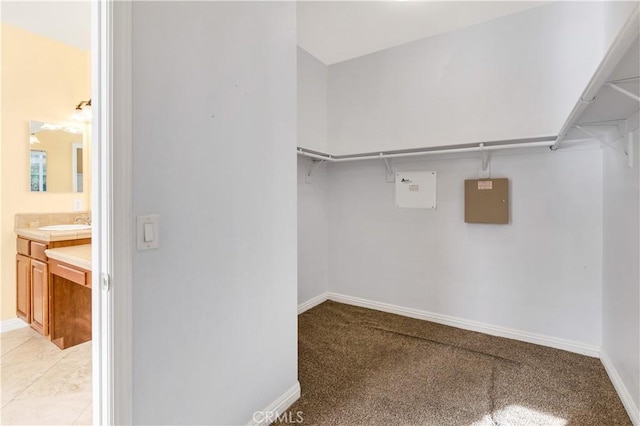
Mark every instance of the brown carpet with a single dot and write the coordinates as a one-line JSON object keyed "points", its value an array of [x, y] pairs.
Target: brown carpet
{"points": [[363, 367]]}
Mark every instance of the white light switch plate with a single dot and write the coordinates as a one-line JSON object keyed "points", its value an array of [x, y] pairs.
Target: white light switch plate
{"points": [[152, 220]]}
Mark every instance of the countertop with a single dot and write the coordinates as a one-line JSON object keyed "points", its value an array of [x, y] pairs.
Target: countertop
{"points": [[48, 236], [79, 256]]}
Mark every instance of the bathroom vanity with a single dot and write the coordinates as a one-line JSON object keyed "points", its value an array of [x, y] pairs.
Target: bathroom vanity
{"points": [[42, 276], [70, 295]]}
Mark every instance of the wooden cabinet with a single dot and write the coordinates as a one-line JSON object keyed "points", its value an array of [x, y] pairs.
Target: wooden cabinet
{"points": [[70, 298], [39, 297], [32, 280], [23, 288]]}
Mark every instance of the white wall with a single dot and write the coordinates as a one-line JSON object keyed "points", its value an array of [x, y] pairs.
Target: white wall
{"points": [[312, 193], [214, 308], [313, 231], [510, 78], [539, 274], [621, 293], [312, 102]]}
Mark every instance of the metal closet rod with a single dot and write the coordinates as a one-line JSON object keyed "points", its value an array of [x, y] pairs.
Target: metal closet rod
{"points": [[531, 143]]}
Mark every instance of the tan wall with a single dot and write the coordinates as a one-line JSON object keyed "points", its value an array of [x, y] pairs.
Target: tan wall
{"points": [[41, 80]]}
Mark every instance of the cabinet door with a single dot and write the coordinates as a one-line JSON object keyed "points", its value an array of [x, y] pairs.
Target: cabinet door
{"points": [[39, 297], [23, 288]]}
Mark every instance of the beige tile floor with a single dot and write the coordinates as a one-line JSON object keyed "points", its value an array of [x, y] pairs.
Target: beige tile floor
{"points": [[41, 384]]}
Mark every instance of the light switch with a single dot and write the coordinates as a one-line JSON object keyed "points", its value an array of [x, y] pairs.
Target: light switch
{"points": [[147, 232]]}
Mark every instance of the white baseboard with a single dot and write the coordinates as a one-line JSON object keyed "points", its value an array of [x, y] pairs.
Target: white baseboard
{"points": [[538, 339], [277, 408], [305, 306], [629, 404], [11, 324]]}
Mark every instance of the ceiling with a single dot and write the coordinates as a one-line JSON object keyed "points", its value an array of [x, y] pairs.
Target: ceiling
{"points": [[335, 31], [332, 31], [68, 22]]}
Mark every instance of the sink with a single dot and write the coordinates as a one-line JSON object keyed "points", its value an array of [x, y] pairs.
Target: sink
{"points": [[68, 227]]}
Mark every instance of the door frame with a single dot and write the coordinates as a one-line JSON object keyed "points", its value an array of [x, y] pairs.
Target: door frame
{"points": [[111, 206]]}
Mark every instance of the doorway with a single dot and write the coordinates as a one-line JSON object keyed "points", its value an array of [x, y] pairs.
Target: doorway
{"points": [[109, 166]]}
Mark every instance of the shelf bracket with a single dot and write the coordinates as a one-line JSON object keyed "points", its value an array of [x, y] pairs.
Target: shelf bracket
{"points": [[620, 125], [623, 133], [390, 174], [624, 91], [485, 156], [313, 165], [588, 133]]}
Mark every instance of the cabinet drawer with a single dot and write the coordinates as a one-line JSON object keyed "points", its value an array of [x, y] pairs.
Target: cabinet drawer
{"points": [[37, 250], [22, 246], [69, 272]]}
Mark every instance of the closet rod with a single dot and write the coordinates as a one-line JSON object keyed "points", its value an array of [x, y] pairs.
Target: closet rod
{"points": [[479, 148]]}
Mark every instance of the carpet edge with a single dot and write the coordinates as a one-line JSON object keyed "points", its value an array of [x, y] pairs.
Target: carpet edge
{"points": [[493, 330]]}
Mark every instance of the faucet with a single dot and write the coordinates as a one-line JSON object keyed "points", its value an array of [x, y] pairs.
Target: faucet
{"points": [[82, 219]]}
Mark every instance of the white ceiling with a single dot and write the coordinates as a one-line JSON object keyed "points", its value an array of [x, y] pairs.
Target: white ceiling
{"points": [[68, 22], [332, 31], [335, 31]]}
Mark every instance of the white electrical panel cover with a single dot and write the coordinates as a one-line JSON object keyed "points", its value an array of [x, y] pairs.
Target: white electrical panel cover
{"points": [[416, 190]]}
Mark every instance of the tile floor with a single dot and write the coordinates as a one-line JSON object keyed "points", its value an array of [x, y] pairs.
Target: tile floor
{"points": [[41, 384]]}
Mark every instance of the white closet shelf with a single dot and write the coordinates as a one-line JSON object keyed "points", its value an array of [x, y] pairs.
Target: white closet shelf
{"points": [[613, 93], [544, 141]]}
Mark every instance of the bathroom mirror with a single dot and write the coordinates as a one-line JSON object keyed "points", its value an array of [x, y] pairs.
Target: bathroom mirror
{"points": [[56, 157]]}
